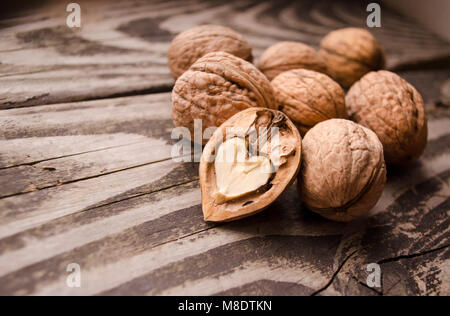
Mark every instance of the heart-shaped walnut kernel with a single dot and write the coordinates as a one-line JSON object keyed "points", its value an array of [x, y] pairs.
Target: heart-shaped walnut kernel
{"points": [[248, 163], [236, 173]]}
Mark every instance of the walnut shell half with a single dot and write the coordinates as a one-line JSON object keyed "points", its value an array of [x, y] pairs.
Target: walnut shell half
{"points": [[308, 97], [285, 56], [282, 148], [350, 53], [394, 110], [343, 171], [194, 43], [215, 88]]}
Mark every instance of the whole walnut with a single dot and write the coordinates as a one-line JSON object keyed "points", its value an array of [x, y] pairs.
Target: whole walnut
{"points": [[215, 88], [394, 110], [285, 56], [194, 43], [350, 53], [343, 171], [308, 97]]}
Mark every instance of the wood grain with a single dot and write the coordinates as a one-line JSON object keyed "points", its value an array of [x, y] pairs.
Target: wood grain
{"points": [[86, 174], [121, 48], [153, 210]]}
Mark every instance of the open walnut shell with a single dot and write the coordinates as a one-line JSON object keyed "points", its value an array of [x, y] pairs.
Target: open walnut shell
{"points": [[267, 135], [343, 171], [196, 42], [215, 88]]}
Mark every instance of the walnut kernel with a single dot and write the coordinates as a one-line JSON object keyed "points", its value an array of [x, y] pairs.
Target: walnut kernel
{"points": [[234, 188]]}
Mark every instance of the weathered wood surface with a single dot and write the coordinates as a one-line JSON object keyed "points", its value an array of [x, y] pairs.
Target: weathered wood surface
{"points": [[121, 47], [93, 182]]}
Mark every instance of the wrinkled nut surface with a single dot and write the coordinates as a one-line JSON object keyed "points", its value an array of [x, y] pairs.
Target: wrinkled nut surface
{"points": [[350, 53], [285, 56], [215, 88], [247, 165], [188, 46], [394, 110], [308, 97], [343, 171]]}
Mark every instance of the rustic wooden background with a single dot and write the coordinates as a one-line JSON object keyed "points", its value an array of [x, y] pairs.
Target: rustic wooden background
{"points": [[86, 175]]}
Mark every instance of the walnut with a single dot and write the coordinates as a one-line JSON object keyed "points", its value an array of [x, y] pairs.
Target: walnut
{"points": [[215, 88], [343, 171], [394, 110], [308, 97], [350, 53], [248, 163], [285, 56], [194, 43]]}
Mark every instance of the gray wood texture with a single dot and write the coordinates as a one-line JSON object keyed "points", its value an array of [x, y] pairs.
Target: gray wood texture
{"points": [[86, 174]]}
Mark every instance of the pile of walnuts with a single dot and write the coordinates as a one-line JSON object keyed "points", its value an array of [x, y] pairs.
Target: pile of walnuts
{"points": [[335, 144]]}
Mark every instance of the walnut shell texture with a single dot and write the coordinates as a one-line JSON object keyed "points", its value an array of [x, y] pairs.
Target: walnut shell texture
{"points": [[215, 88], [394, 110], [343, 171], [188, 46], [308, 97], [350, 53], [285, 56], [289, 144]]}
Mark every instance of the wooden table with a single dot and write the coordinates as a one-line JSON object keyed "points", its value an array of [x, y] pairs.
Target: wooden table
{"points": [[86, 174]]}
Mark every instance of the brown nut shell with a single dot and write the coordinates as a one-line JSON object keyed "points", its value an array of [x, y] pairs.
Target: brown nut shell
{"points": [[350, 53], [215, 88], [343, 171], [289, 155], [394, 110], [308, 97], [285, 56], [188, 46]]}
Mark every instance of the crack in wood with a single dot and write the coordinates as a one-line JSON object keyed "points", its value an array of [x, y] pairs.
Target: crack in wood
{"points": [[335, 274], [100, 205], [35, 162], [34, 188], [379, 293], [411, 256], [45, 187]]}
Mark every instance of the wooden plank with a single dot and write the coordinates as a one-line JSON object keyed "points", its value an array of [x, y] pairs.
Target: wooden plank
{"points": [[138, 212], [60, 171], [158, 242], [121, 48], [410, 241], [124, 148], [31, 163], [39, 151], [147, 115], [168, 259], [35, 208], [33, 135], [163, 238], [92, 183]]}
